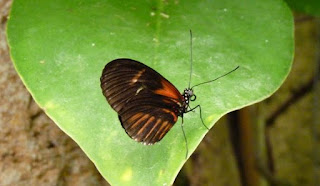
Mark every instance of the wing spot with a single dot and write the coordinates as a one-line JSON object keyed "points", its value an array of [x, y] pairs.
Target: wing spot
{"points": [[139, 89], [137, 76]]}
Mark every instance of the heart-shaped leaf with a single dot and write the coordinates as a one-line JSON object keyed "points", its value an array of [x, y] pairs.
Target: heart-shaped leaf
{"points": [[60, 47]]}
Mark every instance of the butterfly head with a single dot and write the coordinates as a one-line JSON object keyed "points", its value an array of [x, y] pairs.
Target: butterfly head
{"points": [[188, 95]]}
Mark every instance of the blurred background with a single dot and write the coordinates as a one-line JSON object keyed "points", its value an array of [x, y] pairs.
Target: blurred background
{"points": [[274, 142]]}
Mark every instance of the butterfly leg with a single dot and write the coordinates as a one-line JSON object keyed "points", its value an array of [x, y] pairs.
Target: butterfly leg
{"points": [[198, 106], [185, 138], [190, 108]]}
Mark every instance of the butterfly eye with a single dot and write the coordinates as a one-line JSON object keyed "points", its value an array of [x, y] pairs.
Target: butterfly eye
{"points": [[193, 97]]}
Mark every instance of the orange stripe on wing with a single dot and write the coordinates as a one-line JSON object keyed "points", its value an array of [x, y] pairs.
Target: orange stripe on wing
{"points": [[146, 124], [172, 113], [135, 117], [139, 121], [168, 90], [154, 126], [163, 125], [165, 130]]}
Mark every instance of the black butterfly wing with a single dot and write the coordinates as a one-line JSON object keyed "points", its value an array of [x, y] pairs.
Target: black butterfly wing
{"points": [[147, 103], [149, 121]]}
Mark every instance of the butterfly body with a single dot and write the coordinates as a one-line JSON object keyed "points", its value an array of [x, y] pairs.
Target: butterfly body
{"points": [[148, 105]]}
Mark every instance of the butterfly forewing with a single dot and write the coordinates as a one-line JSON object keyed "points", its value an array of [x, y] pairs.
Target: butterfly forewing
{"points": [[147, 103]]}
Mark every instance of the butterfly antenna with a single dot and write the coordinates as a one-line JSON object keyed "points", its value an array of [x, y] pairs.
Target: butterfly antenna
{"points": [[190, 58], [216, 78]]}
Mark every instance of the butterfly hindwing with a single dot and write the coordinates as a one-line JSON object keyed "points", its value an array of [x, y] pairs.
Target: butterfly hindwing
{"points": [[149, 126], [146, 102]]}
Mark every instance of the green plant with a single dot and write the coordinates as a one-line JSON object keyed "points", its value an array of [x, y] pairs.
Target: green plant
{"points": [[59, 49]]}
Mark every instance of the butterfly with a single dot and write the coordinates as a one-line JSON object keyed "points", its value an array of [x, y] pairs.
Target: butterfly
{"points": [[148, 105]]}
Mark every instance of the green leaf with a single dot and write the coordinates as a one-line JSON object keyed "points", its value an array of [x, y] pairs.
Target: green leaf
{"points": [[311, 7], [59, 49]]}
